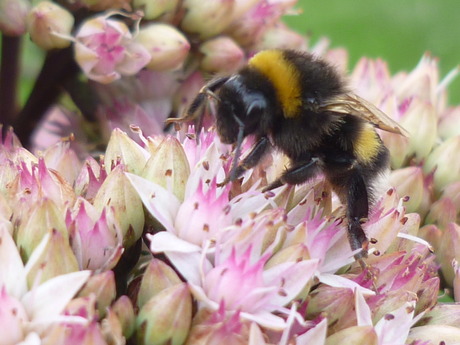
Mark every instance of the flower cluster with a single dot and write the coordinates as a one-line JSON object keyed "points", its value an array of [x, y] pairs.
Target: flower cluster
{"points": [[145, 246]]}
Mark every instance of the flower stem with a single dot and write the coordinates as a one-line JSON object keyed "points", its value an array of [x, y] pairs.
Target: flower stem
{"points": [[9, 73]]}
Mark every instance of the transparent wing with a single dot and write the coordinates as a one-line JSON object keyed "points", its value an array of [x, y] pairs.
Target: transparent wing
{"points": [[352, 104]]}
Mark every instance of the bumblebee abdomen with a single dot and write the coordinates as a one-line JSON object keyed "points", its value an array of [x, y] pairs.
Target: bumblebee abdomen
{"points": [[367, 144]]}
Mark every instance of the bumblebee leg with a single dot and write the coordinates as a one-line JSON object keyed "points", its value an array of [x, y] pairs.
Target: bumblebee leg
{"points": [[295, 175], [251, 160], [357, 212], [205, 92]]}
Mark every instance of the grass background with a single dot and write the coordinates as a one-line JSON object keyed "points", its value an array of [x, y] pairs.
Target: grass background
{"points": [[399, 31]]}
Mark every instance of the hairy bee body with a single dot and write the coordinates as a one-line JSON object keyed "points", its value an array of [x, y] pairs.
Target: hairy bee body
{"points": [[300, 105]]}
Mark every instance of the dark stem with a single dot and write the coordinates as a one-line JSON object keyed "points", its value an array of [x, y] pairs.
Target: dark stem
{"points": [[58, 67], [9, 74]]}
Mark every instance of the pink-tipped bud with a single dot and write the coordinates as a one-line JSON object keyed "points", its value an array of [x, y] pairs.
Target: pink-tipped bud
{"points": [[448, 124], [280, 36], [421, 121], [221, 54], [357, 335], [118, 195], [121, 148], [409, 182], [449, 250], [167, 46], [48, 25]]}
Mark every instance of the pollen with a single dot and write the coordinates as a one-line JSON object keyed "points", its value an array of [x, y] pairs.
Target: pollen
{"points": [[284, 77]]}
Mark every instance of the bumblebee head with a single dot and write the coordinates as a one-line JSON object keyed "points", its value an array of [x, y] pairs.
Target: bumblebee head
{"points": [[242, 110]]}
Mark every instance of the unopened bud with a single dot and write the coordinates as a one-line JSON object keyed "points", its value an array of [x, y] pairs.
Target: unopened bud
{"points": [[221, 54], [166, 317], [13, 16], [47, 23], [167, 46], [446, 168]]}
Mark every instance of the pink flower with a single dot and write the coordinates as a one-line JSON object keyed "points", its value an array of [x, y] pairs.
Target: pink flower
{"points": [[105, 50]]}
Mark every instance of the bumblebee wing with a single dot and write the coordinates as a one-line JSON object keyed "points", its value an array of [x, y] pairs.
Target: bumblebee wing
{"points": [[352, 104]]}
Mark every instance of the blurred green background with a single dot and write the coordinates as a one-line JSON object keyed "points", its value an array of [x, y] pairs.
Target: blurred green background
{"points": [[399, 31]]}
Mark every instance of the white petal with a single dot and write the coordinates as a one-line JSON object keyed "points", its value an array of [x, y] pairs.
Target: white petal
{"points": [[161, 204], [316, 335], [396, 330], [266, 320], [363, 312], [256, 337], [48, 300], [292, 276], [341, 282], [12, 274]]}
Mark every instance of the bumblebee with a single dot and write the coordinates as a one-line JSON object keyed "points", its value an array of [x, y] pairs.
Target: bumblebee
{"points": [[299, 104]]}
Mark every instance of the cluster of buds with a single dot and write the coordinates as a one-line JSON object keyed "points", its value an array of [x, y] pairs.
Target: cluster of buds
{"points": [[145, 246], [259, 268], [127, 45]]}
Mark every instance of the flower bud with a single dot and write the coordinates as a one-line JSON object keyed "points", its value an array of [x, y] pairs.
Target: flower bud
{"points": [[121, 148], [124, 310], [409, 182], [156, 8], [442, 314], [119, 196], [52, 258], [157, 277], [167, 46], [449, 249], [398, 146], [442, 212], [434, 334], [446, 169], [13, 16], [168, 166], [64, 160], [448, 123], [280, 36], [102, 285], [207, 18], [43, 218], [48, 24], [421, 122], [166, 317], [221, 54]]}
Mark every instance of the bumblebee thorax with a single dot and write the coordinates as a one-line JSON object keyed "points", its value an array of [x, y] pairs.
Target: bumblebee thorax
{"points": [[283, 75]]}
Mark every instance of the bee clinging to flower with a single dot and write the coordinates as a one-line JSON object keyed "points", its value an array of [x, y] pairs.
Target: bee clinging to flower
{"points": [[299, 104]]}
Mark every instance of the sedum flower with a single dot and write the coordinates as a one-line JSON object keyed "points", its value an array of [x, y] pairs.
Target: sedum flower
{"points": [[105, 50], [101, 287], [167, 46], [49, 24], [43, 303]]}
